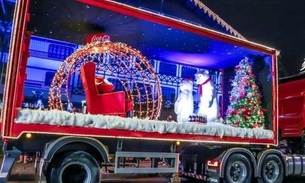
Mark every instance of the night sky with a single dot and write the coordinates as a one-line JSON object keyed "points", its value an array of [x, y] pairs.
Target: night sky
{"points": [[275, 23]]}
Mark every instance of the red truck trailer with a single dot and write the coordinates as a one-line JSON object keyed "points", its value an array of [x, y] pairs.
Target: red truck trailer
{"points": [[237, 147]]}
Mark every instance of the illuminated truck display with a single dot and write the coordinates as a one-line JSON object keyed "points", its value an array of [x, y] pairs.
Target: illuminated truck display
{"points": [[121, 98]]}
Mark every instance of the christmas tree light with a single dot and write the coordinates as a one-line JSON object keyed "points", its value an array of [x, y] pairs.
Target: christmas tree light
{"points": [[245, 108]]}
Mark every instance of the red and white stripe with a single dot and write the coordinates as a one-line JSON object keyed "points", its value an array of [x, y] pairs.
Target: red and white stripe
{"points": [[192, 175]]}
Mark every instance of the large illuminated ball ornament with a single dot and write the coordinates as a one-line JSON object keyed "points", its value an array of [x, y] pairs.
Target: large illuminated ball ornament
{"points": [[123, 63]]}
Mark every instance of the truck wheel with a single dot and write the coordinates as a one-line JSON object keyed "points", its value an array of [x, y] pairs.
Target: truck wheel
{"points": [[238, 169], [77, 167], [272, 170]]}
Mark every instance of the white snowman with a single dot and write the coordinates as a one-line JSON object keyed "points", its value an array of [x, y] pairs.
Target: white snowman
{"points": [[184, 105], [208, 103]]}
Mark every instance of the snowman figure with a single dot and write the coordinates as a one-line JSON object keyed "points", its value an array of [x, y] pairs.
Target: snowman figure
{"points": [[208, 104], [184, 104]]}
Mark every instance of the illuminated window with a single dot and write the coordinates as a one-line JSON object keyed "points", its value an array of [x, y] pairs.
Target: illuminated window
{"points": [[78, 81], [59, 52], [188, 72], [49, 78], [168, 93], [152, 62], [168, 69]]}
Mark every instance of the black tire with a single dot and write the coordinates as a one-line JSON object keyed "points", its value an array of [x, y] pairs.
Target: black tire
{"points": [[272, 170], [75, 167], [238, 169]]}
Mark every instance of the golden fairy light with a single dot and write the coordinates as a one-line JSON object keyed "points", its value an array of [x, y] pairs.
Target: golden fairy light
{"points": [[124, 63]]}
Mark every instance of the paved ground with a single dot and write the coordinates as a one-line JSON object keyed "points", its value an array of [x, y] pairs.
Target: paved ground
{"points": [[139, 180], [22, 169], [26, 173]]}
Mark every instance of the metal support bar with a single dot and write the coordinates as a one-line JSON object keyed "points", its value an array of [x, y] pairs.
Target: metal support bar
{"points": [[119, 145], [37, 158], [195, 164], [154, 163], [138, 163], [173, 150], [146, 170]]}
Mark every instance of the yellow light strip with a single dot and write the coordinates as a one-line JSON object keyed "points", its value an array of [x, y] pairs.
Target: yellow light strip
{"points": [[142, 138]]}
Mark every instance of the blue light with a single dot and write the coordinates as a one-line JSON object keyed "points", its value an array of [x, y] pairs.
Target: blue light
{"points": [[11, 1]]}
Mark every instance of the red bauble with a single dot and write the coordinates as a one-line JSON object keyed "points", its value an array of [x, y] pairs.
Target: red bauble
{"points": [[235, 112]]}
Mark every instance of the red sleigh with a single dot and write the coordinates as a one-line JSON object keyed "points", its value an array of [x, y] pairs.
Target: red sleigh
{"points": [[113, 103]]}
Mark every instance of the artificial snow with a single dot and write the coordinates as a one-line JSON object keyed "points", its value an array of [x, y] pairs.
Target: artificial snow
{"points": [[63, 118]]}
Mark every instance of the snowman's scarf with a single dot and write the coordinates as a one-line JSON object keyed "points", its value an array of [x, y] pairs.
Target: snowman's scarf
{"points": [[213, 92], [200, 86]]}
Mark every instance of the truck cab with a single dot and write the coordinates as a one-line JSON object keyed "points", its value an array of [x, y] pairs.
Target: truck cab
{"points": [[291, 106]]}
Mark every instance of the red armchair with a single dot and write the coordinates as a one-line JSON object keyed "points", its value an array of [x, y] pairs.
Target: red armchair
{"points": [[113, 103]]}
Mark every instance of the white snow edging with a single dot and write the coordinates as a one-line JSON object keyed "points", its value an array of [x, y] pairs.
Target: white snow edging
{"points": [[63, 118]]}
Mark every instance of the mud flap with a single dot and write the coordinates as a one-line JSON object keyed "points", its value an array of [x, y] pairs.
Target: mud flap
{"points": [[7, 163]]}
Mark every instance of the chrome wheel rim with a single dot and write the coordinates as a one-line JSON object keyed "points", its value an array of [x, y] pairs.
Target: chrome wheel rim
{"points": [[271, 171], [237, 172]]}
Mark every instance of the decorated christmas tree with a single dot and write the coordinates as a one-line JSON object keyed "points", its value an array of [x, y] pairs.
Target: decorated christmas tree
{"points": [[245, 108]]}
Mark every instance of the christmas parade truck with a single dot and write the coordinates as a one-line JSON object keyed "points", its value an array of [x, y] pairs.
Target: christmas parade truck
{"points": [[111, 61]]}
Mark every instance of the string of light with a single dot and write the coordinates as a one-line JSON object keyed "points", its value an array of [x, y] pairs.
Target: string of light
{"points": [[110, 58]]}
